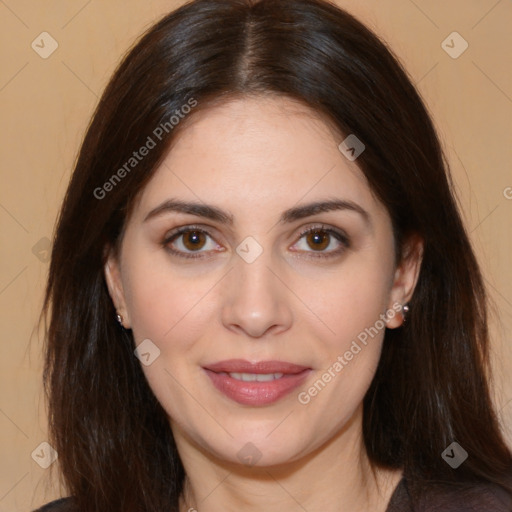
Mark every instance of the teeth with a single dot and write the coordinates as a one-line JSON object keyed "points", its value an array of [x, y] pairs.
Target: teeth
{"points": [[259, 377]]}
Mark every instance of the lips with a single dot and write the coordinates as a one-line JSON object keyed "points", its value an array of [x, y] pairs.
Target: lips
{"points": [[256, 384], [243, 366]]}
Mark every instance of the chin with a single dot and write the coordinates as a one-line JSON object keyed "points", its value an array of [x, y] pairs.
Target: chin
{"points": [[255, 447]]}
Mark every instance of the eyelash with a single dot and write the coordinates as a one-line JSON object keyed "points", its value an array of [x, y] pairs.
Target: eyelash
{"points": [[338, 235]]}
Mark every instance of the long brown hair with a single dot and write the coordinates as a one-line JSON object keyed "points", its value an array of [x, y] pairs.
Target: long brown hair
{"points": [[115, 445]]}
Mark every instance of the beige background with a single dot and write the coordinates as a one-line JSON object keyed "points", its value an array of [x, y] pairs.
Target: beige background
{"points": [[45, 107]]}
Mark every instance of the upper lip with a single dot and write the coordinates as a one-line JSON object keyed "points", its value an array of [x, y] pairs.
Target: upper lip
{"points": [[243, 366]]}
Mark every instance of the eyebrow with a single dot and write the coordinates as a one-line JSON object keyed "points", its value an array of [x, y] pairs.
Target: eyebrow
{"points": [[288, 216]]}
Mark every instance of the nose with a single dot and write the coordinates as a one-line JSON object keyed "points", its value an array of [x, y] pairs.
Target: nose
{"points": [[257, 298]]}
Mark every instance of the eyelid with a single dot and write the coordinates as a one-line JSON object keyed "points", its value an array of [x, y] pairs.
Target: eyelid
{"points": [[340, 235], [328, 229], [337, 233], [177, 232]]}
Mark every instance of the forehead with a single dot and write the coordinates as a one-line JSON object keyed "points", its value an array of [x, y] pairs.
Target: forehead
{"points": [[257, 155]]}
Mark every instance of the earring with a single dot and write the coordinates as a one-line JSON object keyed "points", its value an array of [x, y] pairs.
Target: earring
{"points": [[405, 312], [119, 319]]}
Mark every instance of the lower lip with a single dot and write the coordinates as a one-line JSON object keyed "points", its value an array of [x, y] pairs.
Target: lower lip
{"points": [[257, 393]]}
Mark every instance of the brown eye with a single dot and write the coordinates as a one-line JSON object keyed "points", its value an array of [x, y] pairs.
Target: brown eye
{"points": [[321, 241], [193, 240], [189, 242], [318, 240]]}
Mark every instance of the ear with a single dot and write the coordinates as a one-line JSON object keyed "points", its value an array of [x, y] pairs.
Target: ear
{"points": [[112, 270], [405, 279]]}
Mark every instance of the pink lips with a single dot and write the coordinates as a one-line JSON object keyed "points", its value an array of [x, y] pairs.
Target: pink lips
{"points": [[256, 393]]}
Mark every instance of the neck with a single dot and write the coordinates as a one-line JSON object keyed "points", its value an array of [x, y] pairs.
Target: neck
{"points": [[336, 477]]}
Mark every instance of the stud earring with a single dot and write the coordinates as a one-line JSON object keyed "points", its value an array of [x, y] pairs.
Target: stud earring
{"points": [[119, 319]]}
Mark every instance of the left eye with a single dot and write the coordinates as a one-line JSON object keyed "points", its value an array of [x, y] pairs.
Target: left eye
{"points": [[320, 238], [191, 240]]}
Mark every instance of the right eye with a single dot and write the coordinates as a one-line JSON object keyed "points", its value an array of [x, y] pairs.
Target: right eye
{"points": [[189, 239]]}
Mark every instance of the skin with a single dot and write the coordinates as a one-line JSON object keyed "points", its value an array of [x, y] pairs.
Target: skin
{"points": [[255, 158]]}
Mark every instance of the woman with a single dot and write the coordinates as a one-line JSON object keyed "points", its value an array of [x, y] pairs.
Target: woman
{"points": [[262, 293]]}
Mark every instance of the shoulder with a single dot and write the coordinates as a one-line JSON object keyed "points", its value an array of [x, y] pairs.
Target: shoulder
{"points": [[479, 497], [467, 498], [61, 505]]}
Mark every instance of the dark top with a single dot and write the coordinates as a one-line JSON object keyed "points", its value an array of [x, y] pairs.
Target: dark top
{"points": [[470, 498], [478, 498]]}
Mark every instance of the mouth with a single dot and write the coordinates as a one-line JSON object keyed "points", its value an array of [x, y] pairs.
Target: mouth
{"points": [[256, 384]]}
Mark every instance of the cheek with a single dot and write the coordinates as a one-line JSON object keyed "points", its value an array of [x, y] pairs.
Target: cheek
{"points": [[347, 358], [351, 299], [156, 296], [349, 326], [162, 307], [173, 312], [173, 309]]}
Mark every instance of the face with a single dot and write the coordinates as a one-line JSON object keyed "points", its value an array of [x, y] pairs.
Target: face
{"points": [[254, 274]]}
